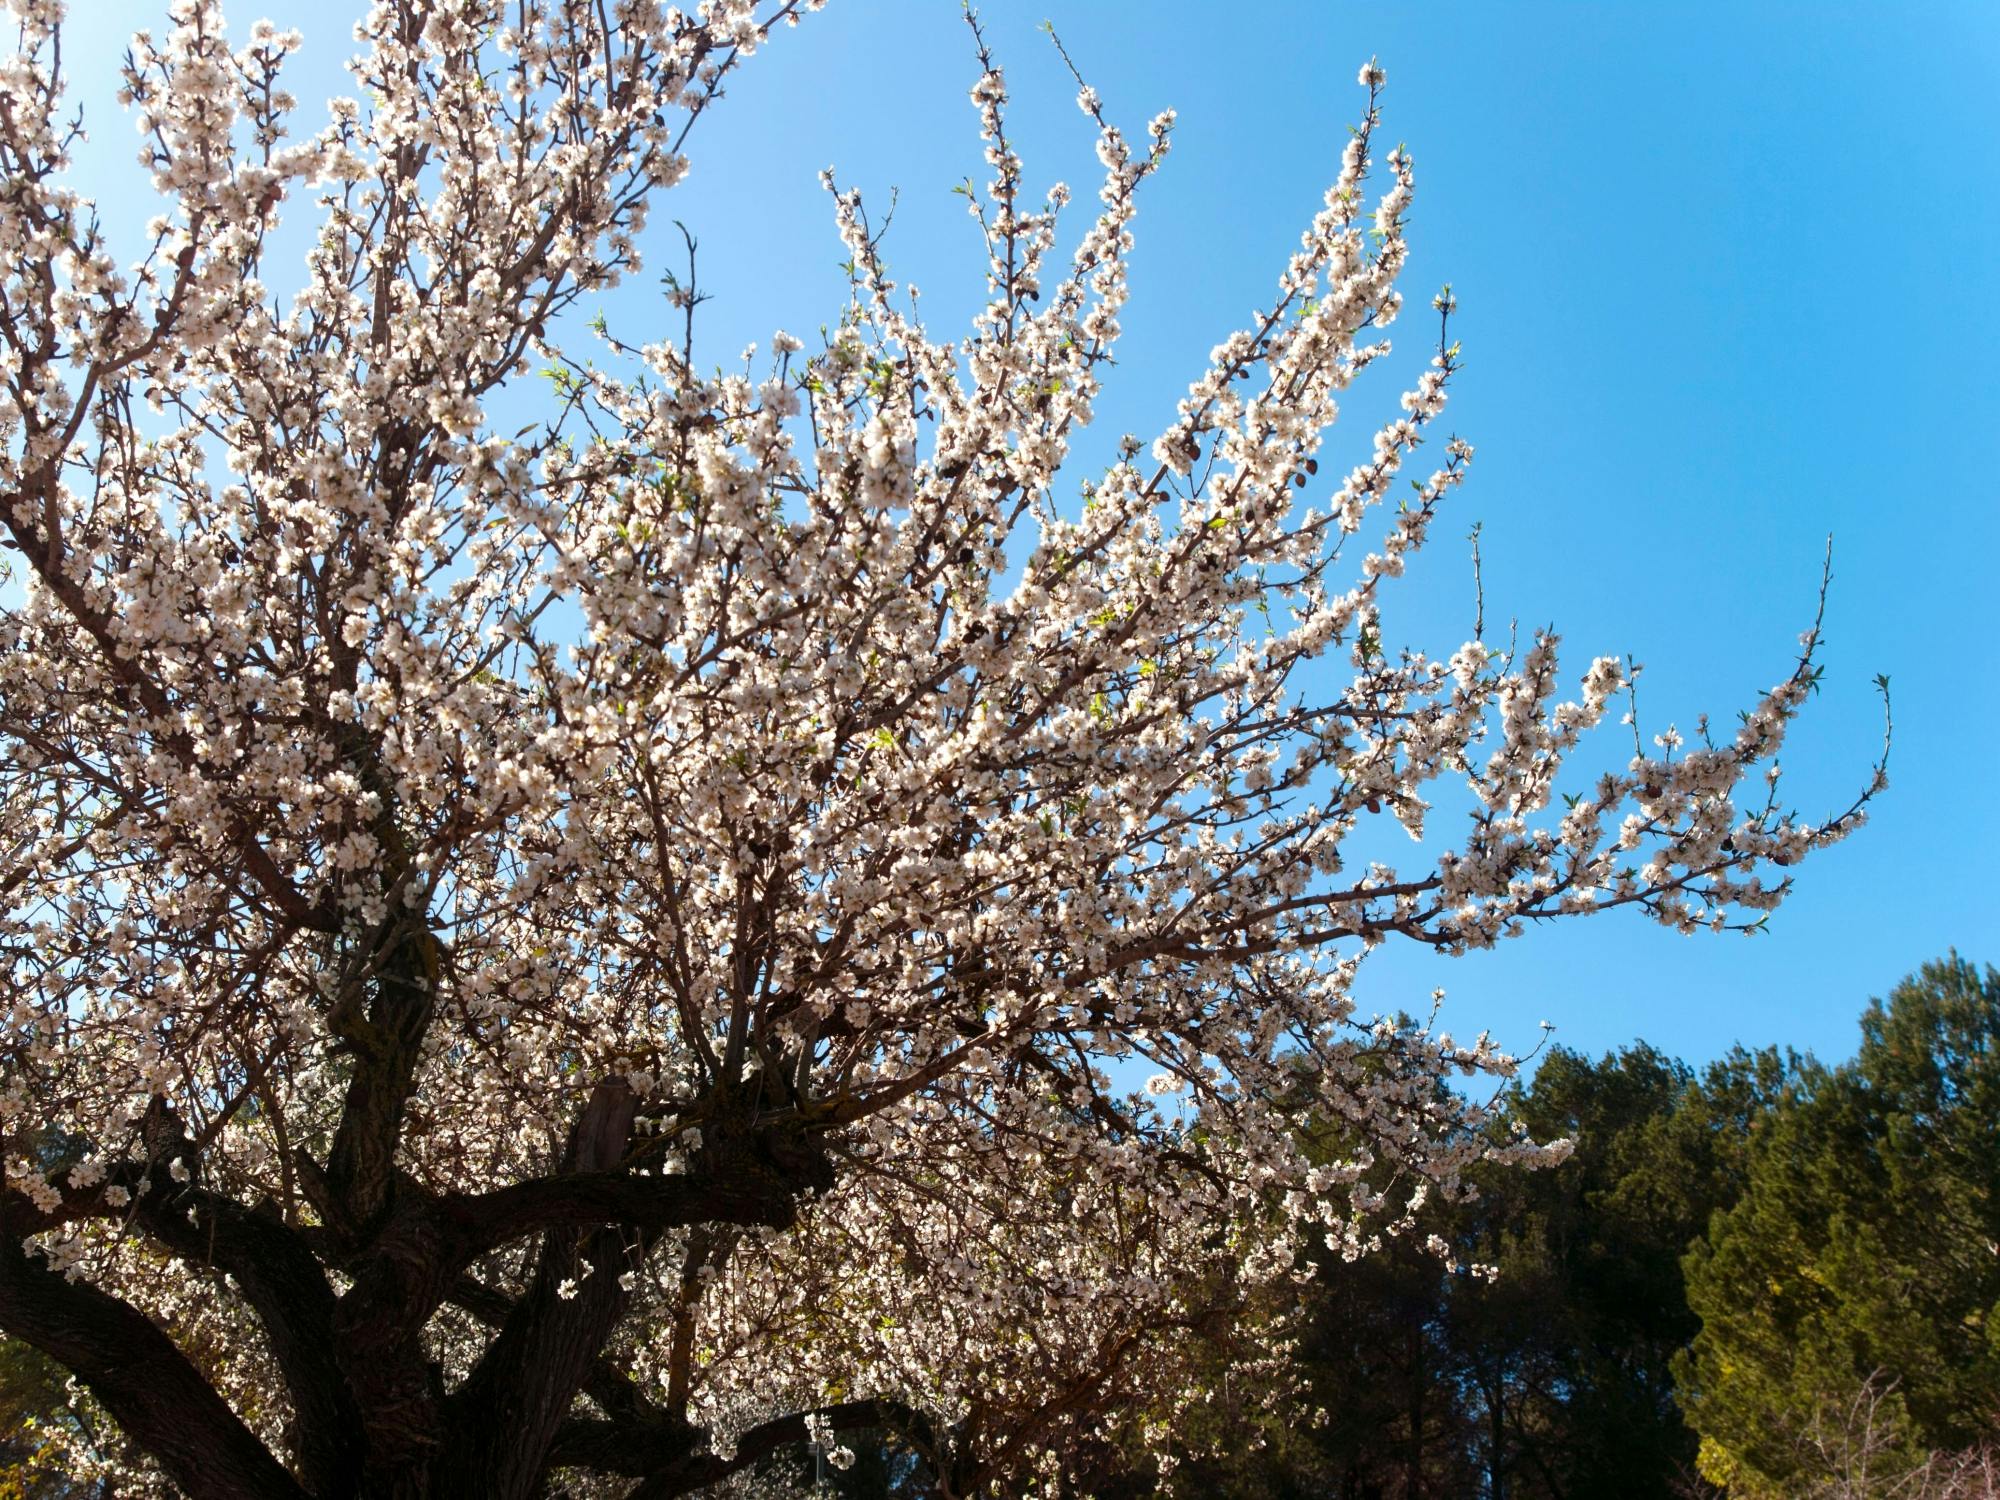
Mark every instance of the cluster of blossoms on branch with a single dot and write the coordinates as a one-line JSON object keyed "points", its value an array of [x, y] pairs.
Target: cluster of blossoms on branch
{"points": [[604, 949]]}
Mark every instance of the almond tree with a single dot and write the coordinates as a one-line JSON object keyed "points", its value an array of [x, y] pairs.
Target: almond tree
{"points": [[601, 950]]}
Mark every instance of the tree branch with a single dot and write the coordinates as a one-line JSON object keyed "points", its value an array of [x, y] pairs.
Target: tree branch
{"points": [[145, 1382], [281, 1279], [695, 1471], [529, 1376], [360, 1168]]}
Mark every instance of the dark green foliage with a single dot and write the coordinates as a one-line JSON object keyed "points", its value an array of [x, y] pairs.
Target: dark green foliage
{"points": [[1375, 1357], [1864, 1254], [1567, 1354], [1562, 1362], [1553, 1379]]}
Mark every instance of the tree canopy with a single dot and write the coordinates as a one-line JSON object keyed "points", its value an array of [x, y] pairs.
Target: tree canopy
{"points": [[598, 951]]}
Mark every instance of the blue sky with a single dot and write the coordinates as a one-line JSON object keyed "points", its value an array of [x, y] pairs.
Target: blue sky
{"points": [[1728, 284]]}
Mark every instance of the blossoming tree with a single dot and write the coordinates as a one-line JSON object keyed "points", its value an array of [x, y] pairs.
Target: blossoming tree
{"points": [[589, 954]]}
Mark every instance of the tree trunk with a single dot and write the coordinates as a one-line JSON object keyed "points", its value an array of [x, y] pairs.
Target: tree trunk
{"points": [[1496, 1412], [1413, 1481]]}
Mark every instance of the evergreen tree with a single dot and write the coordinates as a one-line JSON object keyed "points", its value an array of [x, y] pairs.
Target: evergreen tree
{"points": [[1860, 1272], [1842, 1296], [1552, 1377], [1566, 1355]]}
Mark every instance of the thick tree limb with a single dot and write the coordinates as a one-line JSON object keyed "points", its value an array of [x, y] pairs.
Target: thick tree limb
{"points": [[145, 1382], [752, 1174], [696, 1471], [616, 1395], [280, 1277], [283, 1282], [529, 1376], [637, 1449], [581, 1200], [387, 1043], [273, 1266]]}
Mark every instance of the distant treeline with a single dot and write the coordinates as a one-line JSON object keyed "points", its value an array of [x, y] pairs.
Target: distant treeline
{"points": [[1769, 1277]]}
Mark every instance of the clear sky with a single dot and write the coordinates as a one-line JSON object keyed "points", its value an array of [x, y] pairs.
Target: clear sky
{"points": [[1730, 282]]}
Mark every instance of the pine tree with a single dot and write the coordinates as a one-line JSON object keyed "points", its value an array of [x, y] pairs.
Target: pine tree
{"points": [[1861, 1269]]}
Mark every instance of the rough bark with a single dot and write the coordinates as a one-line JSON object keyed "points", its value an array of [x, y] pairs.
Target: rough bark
{"points": [[287, 1288], [530, 1375], [696, 1471], [372, 1416], [145, 1382]]}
